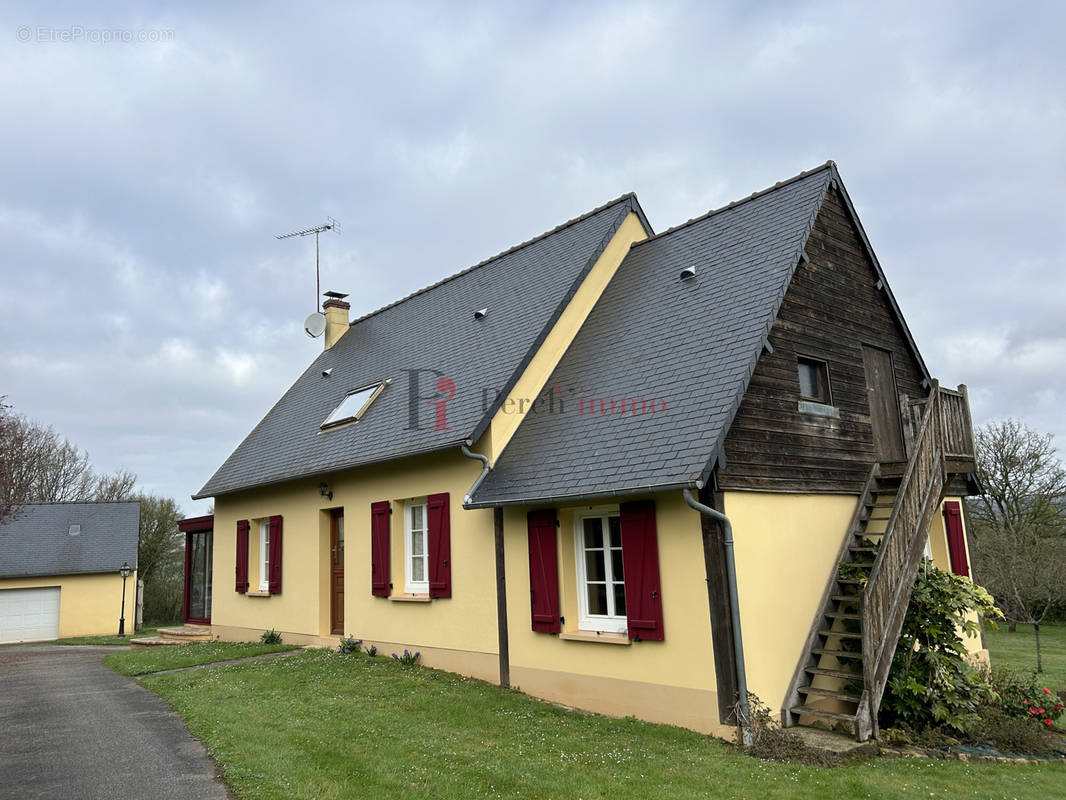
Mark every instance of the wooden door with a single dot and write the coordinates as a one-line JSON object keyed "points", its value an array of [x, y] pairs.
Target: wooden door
{"points": [[336, 571], [884, 404]]}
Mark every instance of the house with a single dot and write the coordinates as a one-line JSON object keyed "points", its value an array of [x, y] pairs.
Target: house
{"points": [[61, 568], [630, 472]]}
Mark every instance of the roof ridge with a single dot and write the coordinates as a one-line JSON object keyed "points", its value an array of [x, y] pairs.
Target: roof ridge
{"points": [[830, 165], [628, 196], [77, 503]]}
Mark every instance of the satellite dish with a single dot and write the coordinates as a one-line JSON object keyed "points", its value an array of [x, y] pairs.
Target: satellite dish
{"points": [[315, 324]]}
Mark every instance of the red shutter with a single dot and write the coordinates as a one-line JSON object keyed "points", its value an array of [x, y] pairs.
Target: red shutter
{"points": [[956, 539], [274, 582], [242, 556], [640, 562], [440, 545], [379, 549], [543, 572]]}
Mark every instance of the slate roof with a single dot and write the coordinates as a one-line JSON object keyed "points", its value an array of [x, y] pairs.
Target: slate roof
{"points": [[38, 540], [433, 331], [690, 345]]}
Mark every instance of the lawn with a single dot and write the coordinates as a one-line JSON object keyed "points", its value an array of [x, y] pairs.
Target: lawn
{"points": [[1018, 650], [157, 659], [322, 725], [117, 641]]}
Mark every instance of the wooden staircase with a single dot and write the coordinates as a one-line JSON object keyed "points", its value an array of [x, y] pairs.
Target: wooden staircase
{"points": [[844, 670]]}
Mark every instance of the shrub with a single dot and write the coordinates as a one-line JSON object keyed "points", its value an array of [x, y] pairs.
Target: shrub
{"points": [[350, 645], [1012, 734], [408, 659], [270, 637], [1022, 696], [931, 684]]}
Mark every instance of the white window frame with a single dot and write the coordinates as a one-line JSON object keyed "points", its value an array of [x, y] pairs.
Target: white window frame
{"points": [[411, 586], [264, 555], [609, 623], [350, 409]]}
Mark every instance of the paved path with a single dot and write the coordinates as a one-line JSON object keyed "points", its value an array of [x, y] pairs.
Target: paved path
{"points": [[70, 727]]}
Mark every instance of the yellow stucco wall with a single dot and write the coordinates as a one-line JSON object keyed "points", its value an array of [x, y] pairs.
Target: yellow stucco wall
{"points": [[938, 545], [786, 546], [531, 382], [466, 621], [89, 605]]}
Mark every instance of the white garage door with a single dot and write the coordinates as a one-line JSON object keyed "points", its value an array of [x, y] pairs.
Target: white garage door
{"points": [[29, 615]]}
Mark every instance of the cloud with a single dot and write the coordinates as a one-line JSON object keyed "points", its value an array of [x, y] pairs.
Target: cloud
{"points": [[147, 311]]}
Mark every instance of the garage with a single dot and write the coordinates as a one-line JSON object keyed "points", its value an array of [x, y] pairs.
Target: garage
{"points": [[29, 615]]}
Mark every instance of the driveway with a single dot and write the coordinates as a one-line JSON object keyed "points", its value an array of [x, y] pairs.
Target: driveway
{"points": [[70, 727]]}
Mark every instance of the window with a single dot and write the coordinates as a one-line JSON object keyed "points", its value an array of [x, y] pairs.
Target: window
{"points": [[814, 380], [264, 555], [416, 547], [600, 574], [354, 405]]}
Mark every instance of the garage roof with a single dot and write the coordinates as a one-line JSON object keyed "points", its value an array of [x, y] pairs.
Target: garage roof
{"points": [[69, 539]]}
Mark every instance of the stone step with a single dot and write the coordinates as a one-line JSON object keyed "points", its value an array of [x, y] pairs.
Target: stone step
{"points": [[189, 633]]}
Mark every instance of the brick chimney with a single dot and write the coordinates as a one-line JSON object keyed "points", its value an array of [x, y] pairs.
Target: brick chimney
{"points": [[336, 311]]}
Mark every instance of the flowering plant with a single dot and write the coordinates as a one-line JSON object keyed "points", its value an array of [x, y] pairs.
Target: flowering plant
{"points": [[350, 645]]}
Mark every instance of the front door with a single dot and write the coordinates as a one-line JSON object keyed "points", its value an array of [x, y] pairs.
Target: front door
{"points": [[198, 546], [884, 404], [336, 571]]}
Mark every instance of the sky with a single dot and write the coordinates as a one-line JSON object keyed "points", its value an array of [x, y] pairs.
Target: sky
{"points": [[150, 153]]}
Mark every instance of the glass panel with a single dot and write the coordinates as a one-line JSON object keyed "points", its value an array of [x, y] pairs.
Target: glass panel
{"points": [[418, 543], [616, 565], [597, 598], [594, 566], [209, 541], [197, 581], [808, 377], [338, 553], [615, 527], [593, 532], [620, 599], [416, 517], [350, 406], [418, 569]]}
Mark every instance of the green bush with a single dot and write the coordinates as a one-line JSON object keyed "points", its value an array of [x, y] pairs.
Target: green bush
{"points": [[930, 684], [1011, 734], [270, 637], [1023, 696]]}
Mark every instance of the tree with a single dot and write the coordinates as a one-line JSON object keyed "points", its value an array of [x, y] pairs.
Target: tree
{"points": [[7, 508], [159, 557], [1018, 526]]}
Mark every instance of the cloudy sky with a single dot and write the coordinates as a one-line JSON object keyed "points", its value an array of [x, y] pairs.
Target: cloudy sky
{"points": [[150, 153]]}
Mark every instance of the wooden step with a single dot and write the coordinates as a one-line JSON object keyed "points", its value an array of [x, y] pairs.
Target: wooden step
{"points": [[841, 615], [817, 712], [834, 673], [858, 548], [841, 634], [849, 581], [839, 654], [847, 697], [847, 598]]}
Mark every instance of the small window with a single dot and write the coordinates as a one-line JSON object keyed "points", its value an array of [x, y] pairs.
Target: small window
{"points": [[354, 405], [600, 576], [264, 555], [814, 380], [416, 547]]}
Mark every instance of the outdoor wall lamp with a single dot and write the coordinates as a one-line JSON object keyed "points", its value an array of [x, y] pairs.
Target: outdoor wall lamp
{"points": [[124, 571], [325, 491]]}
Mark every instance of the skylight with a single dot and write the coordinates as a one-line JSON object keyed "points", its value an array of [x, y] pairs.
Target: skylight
{"points": [[354, 405]]}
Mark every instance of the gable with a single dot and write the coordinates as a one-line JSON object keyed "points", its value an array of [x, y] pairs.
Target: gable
{"points": [[834, 305], [440, 361]]}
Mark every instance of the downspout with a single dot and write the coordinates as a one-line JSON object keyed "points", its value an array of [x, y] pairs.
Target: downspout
{"points": [[734, 609], [501, 576], [484, 471]]}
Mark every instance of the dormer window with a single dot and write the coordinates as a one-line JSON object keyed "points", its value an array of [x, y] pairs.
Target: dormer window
{"points": [[354, 405]]}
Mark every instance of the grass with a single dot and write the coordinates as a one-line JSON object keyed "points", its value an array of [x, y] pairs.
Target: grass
{"points": [[109, 640], [157, 659], [322, 725], [1018, 651]]}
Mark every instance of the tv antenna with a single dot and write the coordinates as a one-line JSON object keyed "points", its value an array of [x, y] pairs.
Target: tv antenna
{"points": [[330, 225]]}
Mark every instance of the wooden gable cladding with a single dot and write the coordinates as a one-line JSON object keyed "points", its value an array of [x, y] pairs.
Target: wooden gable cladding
{"points": [[833, 307]]}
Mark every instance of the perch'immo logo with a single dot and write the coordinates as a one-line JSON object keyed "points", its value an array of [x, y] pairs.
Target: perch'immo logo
{"points": [[429, 391]]}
